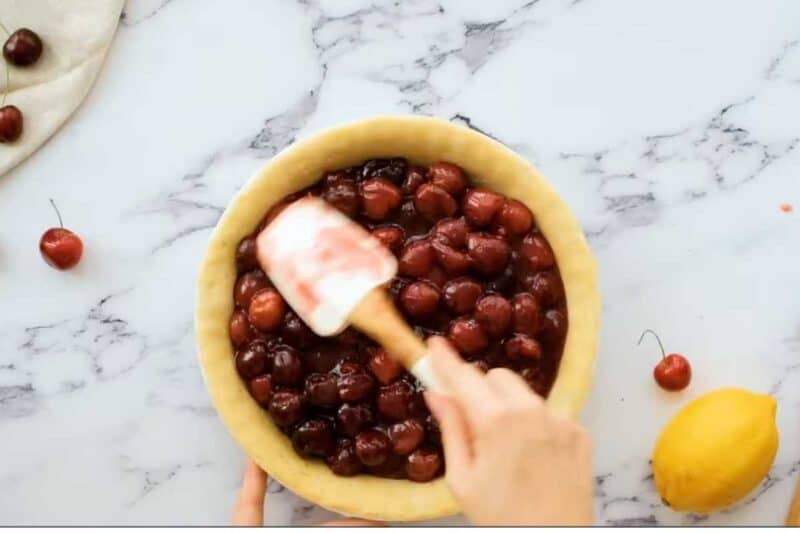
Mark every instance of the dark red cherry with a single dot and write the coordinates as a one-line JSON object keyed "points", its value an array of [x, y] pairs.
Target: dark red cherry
{"points": [[390, 236], [23, 48], [355, 386], [423, 464], [261, 389], [287, 368], [351, 419], [451, 231], [521, 346], [434, 203], [554, 327], [266, 310], [395, 401], [452, 261], [385, 368], [247, 286], [460, 294], [514, 217], [372, 447], [379, 198], [11, 123], [449, 177], [286, 408], [253, 360], [416, 259], [295, 332], [321, 390], [239, 329], [467, 336], [59, 247], [342, 193], [493, 313], [536, 252], [420, 299], [526, 314], [489, 253], [246, 255], [480, 206], [406, 436], [313, 438], [415, 176], [343, 461], [545, 286]]}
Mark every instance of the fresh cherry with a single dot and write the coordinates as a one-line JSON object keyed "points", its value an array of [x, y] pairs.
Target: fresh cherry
{"points": [[673, 372], [23, 48], [10, 124], [60, 248]]}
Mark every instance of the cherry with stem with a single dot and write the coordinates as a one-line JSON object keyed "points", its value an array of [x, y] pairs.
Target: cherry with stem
{"points": [[60, 247], [673, 372]]}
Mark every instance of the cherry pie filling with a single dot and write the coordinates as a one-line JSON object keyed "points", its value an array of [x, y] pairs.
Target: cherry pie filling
{"points": [[472, 267]]}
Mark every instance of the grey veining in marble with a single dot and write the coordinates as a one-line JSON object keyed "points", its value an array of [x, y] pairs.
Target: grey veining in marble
{"points": [[670, 127]]}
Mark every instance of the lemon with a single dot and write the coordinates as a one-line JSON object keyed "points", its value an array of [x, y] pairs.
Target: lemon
{"points": [[716, 450]]}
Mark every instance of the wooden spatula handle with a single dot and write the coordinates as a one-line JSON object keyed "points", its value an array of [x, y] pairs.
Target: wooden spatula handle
{"points": [[378, 318], [793, 517]]}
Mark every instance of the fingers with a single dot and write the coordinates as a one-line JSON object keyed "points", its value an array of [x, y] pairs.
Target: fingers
{"points": [[352, 522], [511, 388], [249, 508], [456, 438], [463, 382]]}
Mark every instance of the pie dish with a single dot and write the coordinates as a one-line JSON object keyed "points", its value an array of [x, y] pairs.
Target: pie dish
{"points": [[422, 141]]}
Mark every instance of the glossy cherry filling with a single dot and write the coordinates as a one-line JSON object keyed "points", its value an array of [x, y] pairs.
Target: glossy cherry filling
{"points": [[473, 266]]}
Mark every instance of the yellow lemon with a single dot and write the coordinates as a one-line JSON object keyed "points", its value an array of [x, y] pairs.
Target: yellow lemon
{"points": [[716, 450]]}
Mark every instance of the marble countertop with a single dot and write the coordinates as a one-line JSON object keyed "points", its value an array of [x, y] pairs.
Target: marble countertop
{"points": [[670, 127]]}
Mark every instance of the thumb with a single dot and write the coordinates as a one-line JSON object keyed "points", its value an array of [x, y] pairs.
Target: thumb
{"points": [[456, 438]]}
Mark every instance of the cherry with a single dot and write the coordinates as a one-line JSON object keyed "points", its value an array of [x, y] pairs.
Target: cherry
{"points": [[10, 123], [423, 464], [493, 313], [420, 299], [520, 346], [434, 203], [526, 314], [515, 217], [395, 401], [286, 408], [379, 197], [467, 336], [343, 461], [342, 193], [295, 332], [537, 252], [451, 231], [451, 260], [23, 48], [261, 389], [460, 294], [246, 256], [247, 286], [673, 372], [267, 310], [406, 436], [355, 385], [554, 327], [415, 176], [350, 419], [480, 206], [313, 438], [321, 390], [390, 236], [239, 329], [60, 248], [287, 367], [416, 259], [489, 253], [384, 367], [448, 176], [373, 447]]}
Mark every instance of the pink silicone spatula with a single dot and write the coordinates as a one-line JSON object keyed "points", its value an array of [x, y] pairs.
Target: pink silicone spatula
{"points": [[332, 272]]}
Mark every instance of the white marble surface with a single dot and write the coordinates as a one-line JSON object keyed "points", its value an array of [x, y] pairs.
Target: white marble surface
{"points": [[671, 127]]}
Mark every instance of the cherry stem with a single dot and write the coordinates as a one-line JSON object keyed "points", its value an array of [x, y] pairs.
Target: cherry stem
{"points": [[60, 223], [654, 334], [5, 92]]}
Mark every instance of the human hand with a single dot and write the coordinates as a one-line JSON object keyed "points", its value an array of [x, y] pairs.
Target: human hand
{"points": [[249, 507], [510, 460]]}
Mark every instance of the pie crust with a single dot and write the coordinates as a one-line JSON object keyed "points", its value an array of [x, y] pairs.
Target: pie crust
{"points": [[422, 140]]}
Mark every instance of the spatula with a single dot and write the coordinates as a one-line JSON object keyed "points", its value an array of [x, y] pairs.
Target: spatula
{"points": [[332, 272]]}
